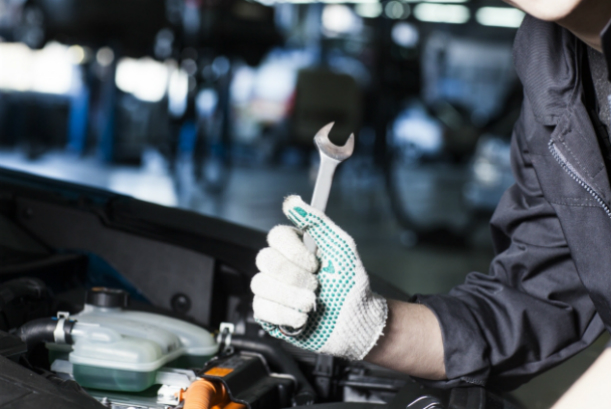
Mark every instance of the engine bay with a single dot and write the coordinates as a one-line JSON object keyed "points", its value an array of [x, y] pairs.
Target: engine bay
{"points": [[107, 301]]}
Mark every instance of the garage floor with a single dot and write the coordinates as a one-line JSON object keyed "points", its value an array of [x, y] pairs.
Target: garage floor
{"points": [[358, 203]]}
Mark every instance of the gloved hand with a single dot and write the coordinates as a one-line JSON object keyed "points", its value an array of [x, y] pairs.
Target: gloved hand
{"points": [[342, 316]]}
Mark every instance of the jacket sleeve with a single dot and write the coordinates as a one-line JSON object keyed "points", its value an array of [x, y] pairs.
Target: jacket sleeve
{"points": [[531, 311]]}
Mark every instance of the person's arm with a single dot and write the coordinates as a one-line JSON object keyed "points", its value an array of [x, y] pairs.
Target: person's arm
{"points": [[593, 389], [336, 308], [531, 311], [411, 342], [528, 314]]}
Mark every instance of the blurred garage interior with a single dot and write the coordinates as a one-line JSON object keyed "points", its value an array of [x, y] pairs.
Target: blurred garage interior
{"points": [[211, 106]]}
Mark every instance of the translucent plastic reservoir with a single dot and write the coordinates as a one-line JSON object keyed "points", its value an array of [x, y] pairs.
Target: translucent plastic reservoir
{"points": [[122, 350]]}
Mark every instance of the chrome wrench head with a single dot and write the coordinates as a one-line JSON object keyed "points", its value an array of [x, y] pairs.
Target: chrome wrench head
{"points": [[329, 149]]}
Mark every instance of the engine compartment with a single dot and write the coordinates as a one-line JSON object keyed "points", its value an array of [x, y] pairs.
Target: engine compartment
{"points": [[71, 256]]}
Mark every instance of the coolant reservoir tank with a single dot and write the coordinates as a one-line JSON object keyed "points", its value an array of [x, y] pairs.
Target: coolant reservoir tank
{"points": [[115, 349]]}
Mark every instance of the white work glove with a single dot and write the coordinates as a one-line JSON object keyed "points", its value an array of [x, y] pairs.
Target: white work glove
{"points": [[342, 316]]}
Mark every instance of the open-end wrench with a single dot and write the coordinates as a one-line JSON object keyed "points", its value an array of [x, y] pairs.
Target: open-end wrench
{"points": [[330, 156]]}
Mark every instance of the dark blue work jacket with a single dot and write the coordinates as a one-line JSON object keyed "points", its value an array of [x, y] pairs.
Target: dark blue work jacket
{"points": [[548, 292]]}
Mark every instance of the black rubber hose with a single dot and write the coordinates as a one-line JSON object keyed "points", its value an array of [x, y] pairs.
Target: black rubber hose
{"points": [[279, 358], [41, 330]]}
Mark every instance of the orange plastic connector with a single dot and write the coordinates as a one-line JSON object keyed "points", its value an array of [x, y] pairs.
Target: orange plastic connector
{"points": [[205, 394]]}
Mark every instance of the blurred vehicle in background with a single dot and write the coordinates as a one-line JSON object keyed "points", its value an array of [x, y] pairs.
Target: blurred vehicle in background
{"points": [[489, 174], [141, 67], [43, 98], [437, 158], [416, 134]]}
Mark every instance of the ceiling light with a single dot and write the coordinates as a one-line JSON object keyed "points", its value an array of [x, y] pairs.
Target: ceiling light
{"points": [[435, 1], [396, 10], [105, 56], [145, 78], [339, 18], [49, 70], [499, 16], [77, 54], [442, 13], [272, 2], [405, 34], [368, 10]]}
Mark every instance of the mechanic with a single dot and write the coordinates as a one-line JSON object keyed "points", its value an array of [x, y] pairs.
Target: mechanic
{"points": [[548, 292]]}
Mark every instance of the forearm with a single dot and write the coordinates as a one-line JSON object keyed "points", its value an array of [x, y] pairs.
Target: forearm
{"points": [[592, 389], [411, 342]]}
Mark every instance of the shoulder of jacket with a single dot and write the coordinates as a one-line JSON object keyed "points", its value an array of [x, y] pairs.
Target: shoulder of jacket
{"points": [[546, 58]]}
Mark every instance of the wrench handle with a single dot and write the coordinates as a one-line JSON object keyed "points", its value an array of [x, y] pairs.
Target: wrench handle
{"points": [[320, 197]]}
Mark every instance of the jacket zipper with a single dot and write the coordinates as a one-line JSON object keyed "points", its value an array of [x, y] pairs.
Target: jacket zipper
{"points": [[575, 176]]}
